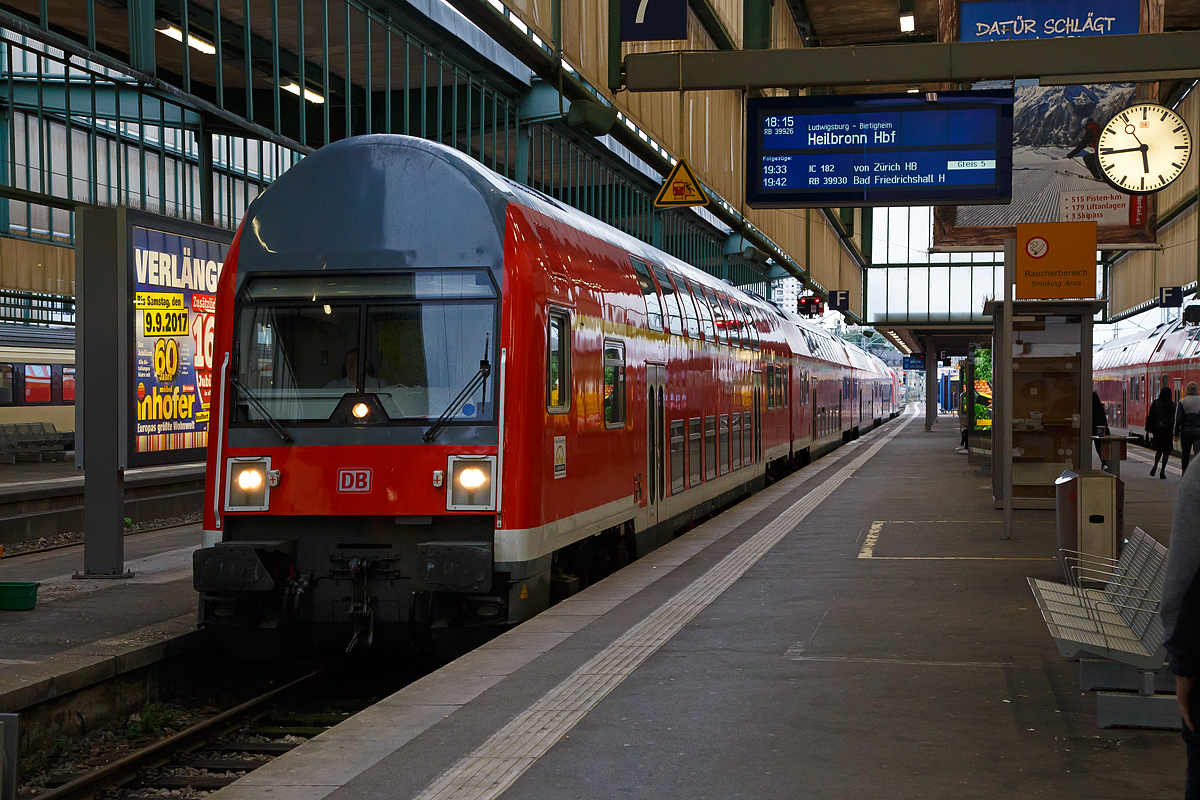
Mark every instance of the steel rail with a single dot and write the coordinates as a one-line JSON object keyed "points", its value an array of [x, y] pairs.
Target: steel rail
{"points": [[123, 769]]}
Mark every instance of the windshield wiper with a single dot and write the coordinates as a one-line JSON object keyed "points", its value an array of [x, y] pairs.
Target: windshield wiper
{"points": [[274, 423], [485, 369]]}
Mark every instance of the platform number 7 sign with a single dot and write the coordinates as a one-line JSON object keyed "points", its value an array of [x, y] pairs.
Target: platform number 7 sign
{"points": [[653, 20]]}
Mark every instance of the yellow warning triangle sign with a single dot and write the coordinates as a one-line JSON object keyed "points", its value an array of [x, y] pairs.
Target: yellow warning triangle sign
{"points": [[681, 189]]}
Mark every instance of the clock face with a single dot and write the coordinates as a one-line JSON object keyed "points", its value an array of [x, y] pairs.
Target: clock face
{"points": [[1144, 148]]}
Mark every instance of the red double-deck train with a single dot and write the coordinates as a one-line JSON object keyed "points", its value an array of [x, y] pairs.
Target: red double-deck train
{"points": [[443, 399], [1130, 372]]}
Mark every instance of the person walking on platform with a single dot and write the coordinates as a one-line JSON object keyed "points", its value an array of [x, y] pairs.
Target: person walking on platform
{"points": [[1180, 613], [1099, 422], [1160, 425], [1187, 422]]}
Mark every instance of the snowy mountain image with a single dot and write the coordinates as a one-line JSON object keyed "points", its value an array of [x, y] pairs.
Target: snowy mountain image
{"points": [[1048, 123]]}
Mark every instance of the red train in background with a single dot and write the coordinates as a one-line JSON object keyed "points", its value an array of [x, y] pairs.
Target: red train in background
{"points": [[444, 400], [1129, 372]]}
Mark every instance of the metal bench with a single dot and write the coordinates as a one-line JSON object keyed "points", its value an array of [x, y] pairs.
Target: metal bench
{"points": [[1118, 622], [38, 438]]}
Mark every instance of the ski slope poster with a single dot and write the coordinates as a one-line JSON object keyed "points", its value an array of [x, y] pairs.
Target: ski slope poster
{"points": [[1055, 174]]}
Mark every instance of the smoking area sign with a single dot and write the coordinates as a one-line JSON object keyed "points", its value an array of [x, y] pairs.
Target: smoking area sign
{"points": [[1056, 261]]}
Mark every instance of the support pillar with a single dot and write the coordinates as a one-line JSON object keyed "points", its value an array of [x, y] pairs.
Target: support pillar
{"points": [[102, 319], [931, 372], [206, 175]]}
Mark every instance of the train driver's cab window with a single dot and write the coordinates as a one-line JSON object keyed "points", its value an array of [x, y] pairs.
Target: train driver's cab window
{"points": [[558, 368], [614, 384], [414, 340], [6, 384], [37, 383], [654, 314], [68, 384]]}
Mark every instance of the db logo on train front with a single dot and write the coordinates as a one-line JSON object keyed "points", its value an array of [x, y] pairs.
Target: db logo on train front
{"points": [[354, 480]]}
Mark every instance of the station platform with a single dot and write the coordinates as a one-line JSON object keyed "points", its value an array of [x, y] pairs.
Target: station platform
{"points": [[858, 629], [84, 632]]}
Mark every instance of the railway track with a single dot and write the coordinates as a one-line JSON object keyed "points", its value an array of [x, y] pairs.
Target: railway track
{"points": [[127, 770], [223, 748], [53, 508]]}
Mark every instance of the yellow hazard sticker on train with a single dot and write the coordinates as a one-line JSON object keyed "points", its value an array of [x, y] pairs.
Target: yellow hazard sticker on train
{"points": [[681, 189]]}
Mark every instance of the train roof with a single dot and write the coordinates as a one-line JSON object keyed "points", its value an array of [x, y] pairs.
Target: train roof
{"points": [[352, 205], [1169, 341]]}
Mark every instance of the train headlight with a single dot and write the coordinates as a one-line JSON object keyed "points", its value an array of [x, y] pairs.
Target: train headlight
{"points": [[470, 487], [248, 484], [360, 410]]}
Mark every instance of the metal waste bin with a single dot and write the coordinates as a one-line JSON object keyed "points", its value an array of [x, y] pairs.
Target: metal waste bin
{"points": [[1091, 518]]}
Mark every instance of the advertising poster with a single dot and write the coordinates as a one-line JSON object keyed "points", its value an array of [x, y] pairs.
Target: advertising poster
{"points": [[174, 323], [1055, 175]]}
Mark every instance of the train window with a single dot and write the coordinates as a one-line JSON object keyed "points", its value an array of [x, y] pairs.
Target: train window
{"points": [[689, 308], [710, 448], [750, 327], [781, 394], [614, 384], [68, 384], [558, 367], [670, 300], [6, 384], [654, 317], [770, 386], [731, 321], [37, 383], [695, 447], [678, 483], [723, 440], [706, 315], [747, 442], [720, 322], [735, 440]]}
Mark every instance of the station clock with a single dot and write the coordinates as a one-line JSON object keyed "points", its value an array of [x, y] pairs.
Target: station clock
{"points": [[1144, 148]]}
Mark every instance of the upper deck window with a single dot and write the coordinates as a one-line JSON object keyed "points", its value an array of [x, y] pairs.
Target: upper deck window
{"points": [[671, 300], [654, 316], [558, 366]]}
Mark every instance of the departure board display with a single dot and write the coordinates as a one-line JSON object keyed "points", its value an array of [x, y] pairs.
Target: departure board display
{"points": [[865, 150]]}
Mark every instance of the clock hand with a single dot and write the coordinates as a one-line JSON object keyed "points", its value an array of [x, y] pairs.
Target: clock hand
{"points": [[1126, 150], [1145, 159]]}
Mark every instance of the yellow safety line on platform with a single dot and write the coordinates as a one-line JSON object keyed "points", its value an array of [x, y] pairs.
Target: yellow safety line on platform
{"points": [[868, 548], [495, 765]]}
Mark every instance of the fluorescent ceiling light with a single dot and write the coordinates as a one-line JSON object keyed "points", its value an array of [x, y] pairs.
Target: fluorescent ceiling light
{"points": [[193, 42], [293, 88], [913, 89], [908, 23]]}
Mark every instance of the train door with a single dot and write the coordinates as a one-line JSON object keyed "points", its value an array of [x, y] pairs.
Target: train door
{"points": [[757, 416], [1124, 403], [656, 453], [1178, 388]]}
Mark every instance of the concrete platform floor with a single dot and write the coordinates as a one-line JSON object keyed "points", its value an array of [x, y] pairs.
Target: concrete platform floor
{"points": [[82, 631], [870, 635]]}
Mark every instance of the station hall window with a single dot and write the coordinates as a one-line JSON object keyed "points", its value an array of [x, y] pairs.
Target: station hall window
{"points": [[654, 314], [614, 384], [68, 384], [6, 384], [558, 368], [37, 383]]}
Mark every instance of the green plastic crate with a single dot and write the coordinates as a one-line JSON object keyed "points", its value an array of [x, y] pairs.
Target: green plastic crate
{"points": [[15, 596]]}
